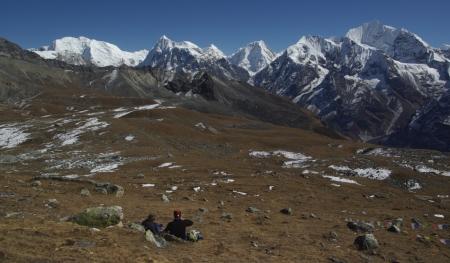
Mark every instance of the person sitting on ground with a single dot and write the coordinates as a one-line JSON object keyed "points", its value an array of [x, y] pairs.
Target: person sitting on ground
{"points": [[149, 224], [178, 226]]}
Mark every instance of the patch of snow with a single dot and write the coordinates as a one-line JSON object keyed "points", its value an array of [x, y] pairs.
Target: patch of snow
{"points": [[148, 185], [163, 165], [373, 173], [71, 137], [106, 168], [370, 173], [239, 193], [426, 169], [340, 179], [129, 138], [12, 135], [260, 154]]}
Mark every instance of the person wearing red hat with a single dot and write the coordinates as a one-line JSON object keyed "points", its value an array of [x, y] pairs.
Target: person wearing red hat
{"points": [[178, 226]]}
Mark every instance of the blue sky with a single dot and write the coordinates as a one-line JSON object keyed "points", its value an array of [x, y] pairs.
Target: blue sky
{"points": [[228, 24]]}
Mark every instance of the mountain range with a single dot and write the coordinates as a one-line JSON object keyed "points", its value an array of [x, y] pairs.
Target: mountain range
{"points": [[377, 83]]}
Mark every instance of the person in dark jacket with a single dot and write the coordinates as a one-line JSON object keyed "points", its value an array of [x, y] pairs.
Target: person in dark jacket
{"points": [[149, 224], [178, 226]]}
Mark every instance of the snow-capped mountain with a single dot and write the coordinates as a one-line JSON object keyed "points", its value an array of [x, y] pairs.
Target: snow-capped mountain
{"points": [[187, 57], [367, 84], [85, 51], [253, 57]]}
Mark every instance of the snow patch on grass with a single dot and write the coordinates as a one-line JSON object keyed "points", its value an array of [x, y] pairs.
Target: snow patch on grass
{"points": [[11, 136], [90, 125], [340, 179]]}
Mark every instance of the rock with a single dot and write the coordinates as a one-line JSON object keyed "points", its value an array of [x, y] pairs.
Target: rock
{"points": [[36, 183], [140, 175], [200, 125], [396, 225], [164, 198], [101, 216], [110, 188], [360, 227], [85, 192], [156, 240], [226, 216], [203, 210], [252, 209], [101, 190], [286, 211], [366, 242], [331, 236], [312, 215], [394, 229], [213, 130], [137, 227], [52, 203]]}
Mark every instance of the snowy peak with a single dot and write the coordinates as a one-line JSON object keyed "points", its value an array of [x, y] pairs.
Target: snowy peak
{"points": [[166, 44], [310, 49], [213, 52], [253, 57], [189, 58], [374, 34], [399, 44], [85, 51]]}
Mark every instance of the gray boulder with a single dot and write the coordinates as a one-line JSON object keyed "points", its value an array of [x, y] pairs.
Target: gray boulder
{"points": [[252, 209], [360, 227], [286, 211], [109, 188], [156, 240], [366, 242], [137, 227], [101, 216]]}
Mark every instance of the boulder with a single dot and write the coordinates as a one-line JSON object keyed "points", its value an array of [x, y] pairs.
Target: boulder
{"points": [[165, 198], [109, 188], [252, 209], [286, 211], [52, 203], [137, 227], [85, 192], [101, 216], [366, 242], [226, 216], [156, 240], [395, 226], [360, 227]]}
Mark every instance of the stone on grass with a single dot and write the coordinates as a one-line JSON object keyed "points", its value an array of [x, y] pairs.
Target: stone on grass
{"points": [[101, 216], [137, 227], [156, 240], [52, 203], [85, 192], [360, 227], [109, 188], [252, 209], [366, 242], [226, 216], [286, 211], [164, 198]]}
